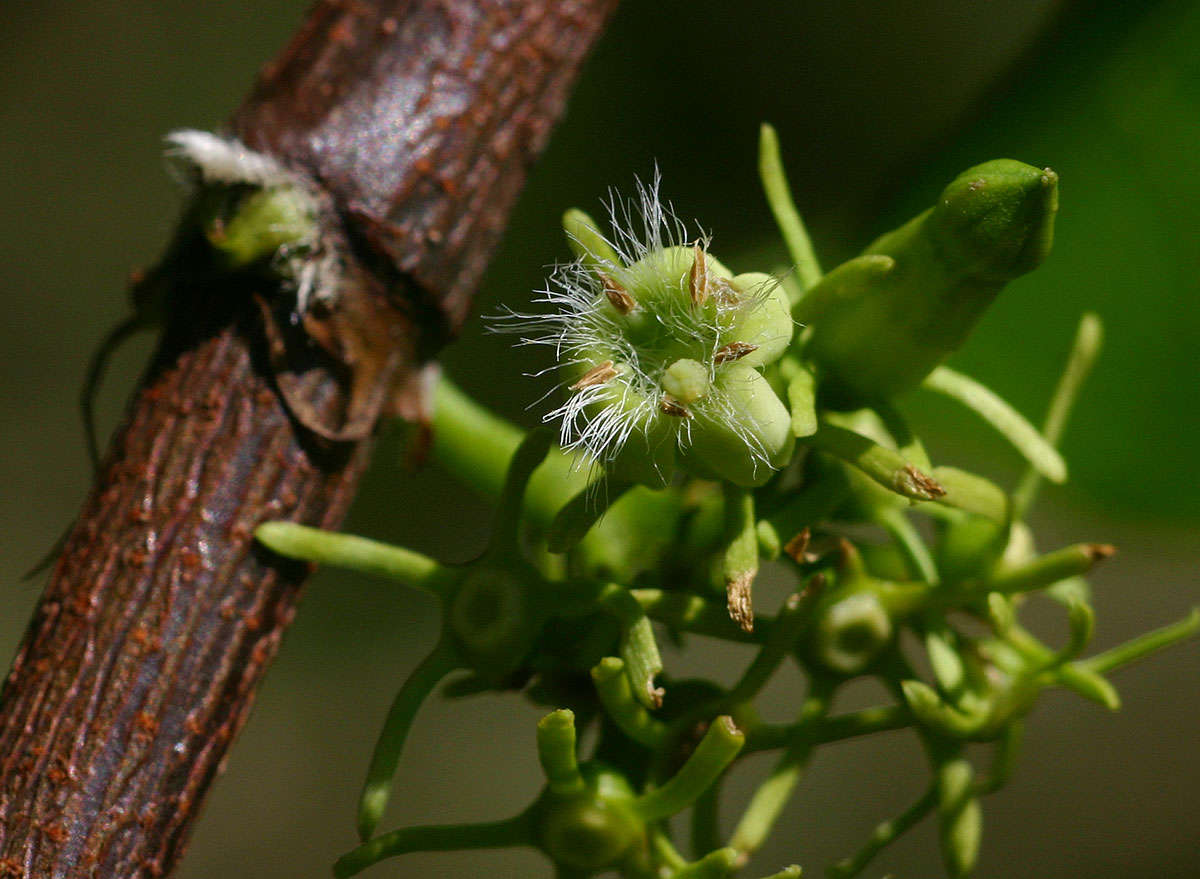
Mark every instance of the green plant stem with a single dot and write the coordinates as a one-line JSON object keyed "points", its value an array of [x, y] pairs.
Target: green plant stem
{"points": [[685, 612], [1006, 420], [1084, 352], [1004, 760], [506, 521], [476, 447], [356, 554], [884, 835], [556, 752], [786, 629], [510, 832], [581, 512], [638, 647], [866, 721], [714, 753], [1046, 569], [779, 197], [885, 466], [616, 694], [1144, 645], [912, 546], [706, 821], [772, 795], [386, 756]]}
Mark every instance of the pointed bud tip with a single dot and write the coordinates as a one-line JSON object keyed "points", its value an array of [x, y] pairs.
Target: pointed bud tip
{"points": [[998, 218]]}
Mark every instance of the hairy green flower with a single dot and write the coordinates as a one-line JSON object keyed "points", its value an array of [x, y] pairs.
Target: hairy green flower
{"points": [[660, 348]]}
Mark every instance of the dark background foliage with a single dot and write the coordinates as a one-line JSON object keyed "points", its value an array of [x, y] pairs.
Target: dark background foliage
{"points": [[878, 103]]}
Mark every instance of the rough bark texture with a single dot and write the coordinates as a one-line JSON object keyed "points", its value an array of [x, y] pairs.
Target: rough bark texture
{"points": [[417, 119]]}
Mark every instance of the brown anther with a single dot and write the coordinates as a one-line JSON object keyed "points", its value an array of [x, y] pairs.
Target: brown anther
{"points": [[617, 294], [1099, 551], [597, 375], [797, 547], [733, 351], [698, 282], [670, 406]]}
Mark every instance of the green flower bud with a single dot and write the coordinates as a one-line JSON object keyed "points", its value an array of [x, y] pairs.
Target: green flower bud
{"points": [[594, 829], [851, 632], [882, 322], [492, 622]]}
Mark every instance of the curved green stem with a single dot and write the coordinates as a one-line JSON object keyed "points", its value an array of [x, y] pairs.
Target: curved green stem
{"points": [[1040, 572], [685, 612], [476, 447], [866, 721], [1142, 646], [887, 467], [884, 835], [706, 821], [1084, 352], [779, 197], [506, 521], [437, 838], [770, 798], [386, 756], [616, 694], [714, 753], [901, 529], [1006, 420], [356, 554]]}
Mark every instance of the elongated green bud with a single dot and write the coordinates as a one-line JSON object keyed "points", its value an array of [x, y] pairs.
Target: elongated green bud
{"points": [[879, 329]]}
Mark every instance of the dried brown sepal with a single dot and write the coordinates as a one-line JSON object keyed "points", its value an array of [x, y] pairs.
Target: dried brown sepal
{"points": [[617, 295], [740, 601], [1100, 551], [597, 375], [698, 280], [670, 406], [656, 694], [912, 483], [733, 351], [797, 547]]}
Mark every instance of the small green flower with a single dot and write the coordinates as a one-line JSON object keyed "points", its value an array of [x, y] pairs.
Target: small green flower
{"points": [[660, 349]]}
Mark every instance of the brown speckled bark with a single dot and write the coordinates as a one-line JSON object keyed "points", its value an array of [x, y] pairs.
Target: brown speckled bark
{"points": [[417, 119]]}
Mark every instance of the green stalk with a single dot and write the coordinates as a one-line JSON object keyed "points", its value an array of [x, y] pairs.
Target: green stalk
{"points": [[356, 554], [511, 832], [884, 835], [779, 197], [386, 756], [556, 752], [1006, 420], [885, 466], [616, 694], [1144, 645], [772, 795], [476, 447], [1084, 352], [714, 753]]}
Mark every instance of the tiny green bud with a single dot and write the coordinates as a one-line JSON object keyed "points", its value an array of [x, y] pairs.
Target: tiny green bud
{"points": [[591, 830], [491, 619], [851, 632], [256, 225], [686, 380]]}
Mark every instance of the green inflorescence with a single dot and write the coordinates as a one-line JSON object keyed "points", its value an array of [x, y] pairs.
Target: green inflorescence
{"points": [[732, 419]]}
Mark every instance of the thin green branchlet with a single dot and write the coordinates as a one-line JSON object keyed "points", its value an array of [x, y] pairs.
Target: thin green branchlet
{"points": [[723, 423]]}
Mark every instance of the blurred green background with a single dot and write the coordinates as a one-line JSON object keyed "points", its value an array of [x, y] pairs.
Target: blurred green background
{"points": [[878, 104]]}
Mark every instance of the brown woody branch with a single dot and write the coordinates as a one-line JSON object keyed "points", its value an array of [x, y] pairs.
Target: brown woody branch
{"points": [[416, 121]]}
